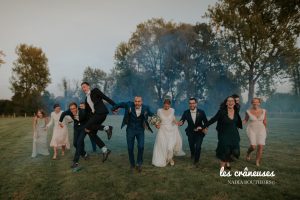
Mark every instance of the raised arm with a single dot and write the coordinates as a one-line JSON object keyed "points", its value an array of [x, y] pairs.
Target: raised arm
{"points": [[106, 98], [182, 119], [63, 114], [213, 119], [120, 105]]}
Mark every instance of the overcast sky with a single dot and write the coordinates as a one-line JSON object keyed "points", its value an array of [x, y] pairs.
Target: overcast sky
{"points": [[75, 34]]}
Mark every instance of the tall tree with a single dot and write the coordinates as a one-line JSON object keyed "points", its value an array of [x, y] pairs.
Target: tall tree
{"points": [[148, 46], [262, 35], [96, 77], [293, 71], [30, 77], [130, 80]]}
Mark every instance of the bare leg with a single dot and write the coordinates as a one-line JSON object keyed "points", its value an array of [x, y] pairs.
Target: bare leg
{"points": [[63, 148], [222, 164], [55, 153], [259, 154], [250, 149]]}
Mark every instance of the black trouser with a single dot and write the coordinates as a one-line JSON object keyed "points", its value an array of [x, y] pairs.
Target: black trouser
{"points": [[78, 142], [195, 142], [93, 125], [94, 145]]}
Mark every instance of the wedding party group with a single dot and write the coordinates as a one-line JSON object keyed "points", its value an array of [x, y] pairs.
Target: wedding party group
{"points": [[88, 118]]}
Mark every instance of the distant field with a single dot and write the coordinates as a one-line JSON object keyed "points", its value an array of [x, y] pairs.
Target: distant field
{"points": [[23, 177]]}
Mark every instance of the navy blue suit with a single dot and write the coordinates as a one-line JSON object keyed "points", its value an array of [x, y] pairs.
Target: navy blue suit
{"points": [[195, 138], [135, 129]]}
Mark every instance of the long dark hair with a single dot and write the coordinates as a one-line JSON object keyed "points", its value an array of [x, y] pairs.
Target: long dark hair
{"points": [[223, 105]]}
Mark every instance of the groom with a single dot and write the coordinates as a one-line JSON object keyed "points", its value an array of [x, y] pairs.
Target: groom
{"points": [[136, 118], [196, 119]]}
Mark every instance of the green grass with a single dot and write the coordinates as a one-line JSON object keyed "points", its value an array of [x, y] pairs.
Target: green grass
{"points": [[23, 177]]}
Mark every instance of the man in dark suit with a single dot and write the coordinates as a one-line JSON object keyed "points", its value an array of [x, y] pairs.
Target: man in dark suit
{"points": [[79, 117], [136, 118], [101, 127], [97, 113], [196, 119]]}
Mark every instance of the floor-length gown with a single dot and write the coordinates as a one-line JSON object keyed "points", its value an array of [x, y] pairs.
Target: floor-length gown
{"points": [[168, 140], [40, 145]]}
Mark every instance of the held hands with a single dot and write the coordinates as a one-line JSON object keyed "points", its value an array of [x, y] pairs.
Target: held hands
{"points": [[82, 106], [157, 126], [200, 129], [61, 125], [116, 111], [179, 123]]}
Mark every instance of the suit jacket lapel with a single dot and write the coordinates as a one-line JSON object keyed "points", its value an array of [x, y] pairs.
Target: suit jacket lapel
{"points": [[80, 114], [197, 116], [133, 110], [143, 110], [190, 117]]}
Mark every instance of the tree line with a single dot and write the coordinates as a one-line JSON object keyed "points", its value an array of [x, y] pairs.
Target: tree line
{"points": [[246, 45]]}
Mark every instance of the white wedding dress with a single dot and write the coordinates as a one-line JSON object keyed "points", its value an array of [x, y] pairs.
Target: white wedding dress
{"points": [[168, 140]]}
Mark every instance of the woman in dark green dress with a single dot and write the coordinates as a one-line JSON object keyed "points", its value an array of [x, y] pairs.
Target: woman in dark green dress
{"points": [[228, 122]]}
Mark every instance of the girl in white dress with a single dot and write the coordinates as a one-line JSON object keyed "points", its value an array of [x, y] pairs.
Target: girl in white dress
{"points": [[40, 135], [168, 140], [60, 137], [256, 129]]}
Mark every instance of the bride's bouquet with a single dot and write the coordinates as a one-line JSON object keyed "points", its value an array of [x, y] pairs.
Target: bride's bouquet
{"points": [[155, 120]]}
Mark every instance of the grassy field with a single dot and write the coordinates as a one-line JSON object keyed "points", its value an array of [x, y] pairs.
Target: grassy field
{"points": [[23, 177]]}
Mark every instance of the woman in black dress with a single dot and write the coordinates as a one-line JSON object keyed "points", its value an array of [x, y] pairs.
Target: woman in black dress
{"points": [[228, 122]]}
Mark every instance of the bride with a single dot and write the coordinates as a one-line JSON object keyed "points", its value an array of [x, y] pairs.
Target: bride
{"points": [[168, 140]]}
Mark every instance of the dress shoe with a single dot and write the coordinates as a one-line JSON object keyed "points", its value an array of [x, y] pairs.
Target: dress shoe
{"points": [[139, 168], [109, 132], [86, 156], [74, 165], [105, 155]]}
